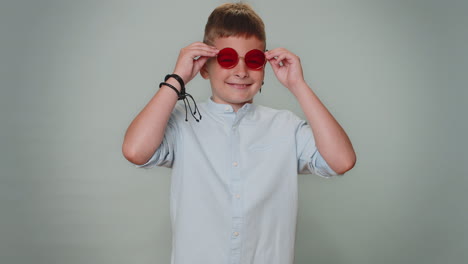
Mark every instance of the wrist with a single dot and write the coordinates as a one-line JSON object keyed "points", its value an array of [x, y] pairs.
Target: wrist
{"points": [[174, 83], [184, 79], [298, 88]]}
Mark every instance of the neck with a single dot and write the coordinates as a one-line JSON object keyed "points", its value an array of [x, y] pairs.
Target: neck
{"points": [[235, 106]]}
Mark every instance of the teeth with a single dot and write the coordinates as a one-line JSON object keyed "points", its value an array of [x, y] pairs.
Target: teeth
{"points": [[239, 85]]}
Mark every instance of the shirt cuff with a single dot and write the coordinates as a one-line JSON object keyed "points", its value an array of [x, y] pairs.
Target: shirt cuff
{"points": [[320, 167]]}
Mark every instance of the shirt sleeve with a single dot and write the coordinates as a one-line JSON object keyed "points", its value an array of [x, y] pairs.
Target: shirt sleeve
{"points": [[310, 161], [165, 154]]}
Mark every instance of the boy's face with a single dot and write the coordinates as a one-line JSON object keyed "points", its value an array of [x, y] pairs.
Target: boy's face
{"points": [[238, 85]]}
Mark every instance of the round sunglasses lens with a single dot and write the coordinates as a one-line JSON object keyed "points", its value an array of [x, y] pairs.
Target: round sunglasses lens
{"points": [[255, 59], [227, 58]]}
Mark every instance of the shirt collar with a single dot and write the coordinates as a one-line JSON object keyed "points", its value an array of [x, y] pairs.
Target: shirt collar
{"points": [[226, 108]]}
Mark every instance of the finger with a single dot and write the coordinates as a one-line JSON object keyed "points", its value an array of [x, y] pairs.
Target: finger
{"points": [[277, 61], [281, 54], [198, 49], [202, 48], [200, 44], [274, 65], [289, 59], [202, 51], [274, 53]]}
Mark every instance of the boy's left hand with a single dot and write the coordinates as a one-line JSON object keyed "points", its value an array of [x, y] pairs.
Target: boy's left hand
{"points": [[286, 66]]}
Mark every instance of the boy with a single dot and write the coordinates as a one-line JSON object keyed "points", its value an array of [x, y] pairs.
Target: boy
{"points": [[234, 173]]}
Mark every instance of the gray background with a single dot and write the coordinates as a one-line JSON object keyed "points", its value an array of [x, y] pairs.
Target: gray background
{"points": [[75, 73]]}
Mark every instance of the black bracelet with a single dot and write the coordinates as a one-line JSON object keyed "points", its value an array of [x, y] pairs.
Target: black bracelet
{"points": [[178, 78], [172, 87], [182, 95]]}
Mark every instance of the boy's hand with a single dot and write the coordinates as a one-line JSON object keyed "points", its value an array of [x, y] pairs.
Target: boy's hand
{"points": [[286, 66], [192, 58]]}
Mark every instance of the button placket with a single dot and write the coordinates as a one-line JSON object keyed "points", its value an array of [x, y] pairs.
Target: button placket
{"points": [[236, 184]]}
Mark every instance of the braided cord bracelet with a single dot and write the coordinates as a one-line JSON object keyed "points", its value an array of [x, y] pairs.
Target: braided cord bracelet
{"points": [[182, 95]]}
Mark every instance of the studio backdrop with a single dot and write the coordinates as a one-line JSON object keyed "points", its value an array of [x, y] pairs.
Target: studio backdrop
{"points": [[74, 74]]}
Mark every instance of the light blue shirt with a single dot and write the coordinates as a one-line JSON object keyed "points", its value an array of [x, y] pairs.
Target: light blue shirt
{"points": [[234, 183]]}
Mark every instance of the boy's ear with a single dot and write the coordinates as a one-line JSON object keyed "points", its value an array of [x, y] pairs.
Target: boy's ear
{"points": [[204, 72]]}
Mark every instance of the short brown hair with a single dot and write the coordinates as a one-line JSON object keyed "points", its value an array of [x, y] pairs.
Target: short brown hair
{"points": [[234, 19]]}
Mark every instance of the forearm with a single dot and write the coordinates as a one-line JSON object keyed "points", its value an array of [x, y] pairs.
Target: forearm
{"points": [[330, 138], [146, 132]]}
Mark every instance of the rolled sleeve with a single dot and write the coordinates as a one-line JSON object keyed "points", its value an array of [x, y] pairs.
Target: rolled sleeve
{"points": [[165, 153], [310, 161]]}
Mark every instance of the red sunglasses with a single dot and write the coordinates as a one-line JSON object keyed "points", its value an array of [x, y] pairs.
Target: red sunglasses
{"points": [[254, 59]]}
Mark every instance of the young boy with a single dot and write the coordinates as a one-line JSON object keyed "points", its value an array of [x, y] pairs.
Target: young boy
{"points": [[234, 173]]}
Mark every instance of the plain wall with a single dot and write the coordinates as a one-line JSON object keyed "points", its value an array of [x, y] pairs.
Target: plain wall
{"points": [[75, 73]]}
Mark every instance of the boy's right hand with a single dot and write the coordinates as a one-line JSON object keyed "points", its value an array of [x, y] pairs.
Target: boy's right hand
{"points": [[192, 58]]}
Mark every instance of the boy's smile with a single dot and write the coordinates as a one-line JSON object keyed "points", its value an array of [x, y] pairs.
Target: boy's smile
{"points": [[238, 85]]}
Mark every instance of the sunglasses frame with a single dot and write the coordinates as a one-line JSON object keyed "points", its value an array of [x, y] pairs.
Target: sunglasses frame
{"points": [[231, 50]]}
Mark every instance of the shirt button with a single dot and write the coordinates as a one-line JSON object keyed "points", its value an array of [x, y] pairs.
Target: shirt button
{"points": [[237, 196], [227, 109], [235, 164], [236, 233]]}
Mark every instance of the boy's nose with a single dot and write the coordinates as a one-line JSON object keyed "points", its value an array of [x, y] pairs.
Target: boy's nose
{"points": [[241, 69]]}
